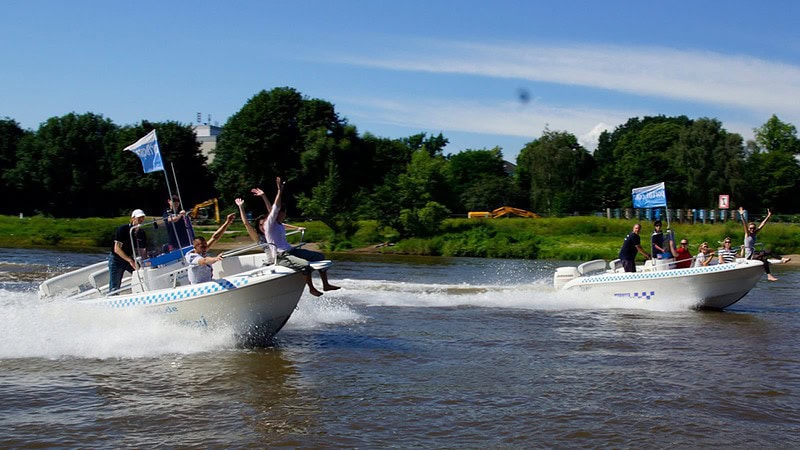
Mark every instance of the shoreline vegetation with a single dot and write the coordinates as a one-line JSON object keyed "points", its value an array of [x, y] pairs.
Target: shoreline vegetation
{"points": [[566, 238]]}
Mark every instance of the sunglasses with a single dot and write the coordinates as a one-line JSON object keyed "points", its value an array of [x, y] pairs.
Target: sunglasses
{"points": [[684, 243]]}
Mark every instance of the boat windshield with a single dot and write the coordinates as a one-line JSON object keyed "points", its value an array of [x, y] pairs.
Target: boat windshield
{"points": [[162, 242]]}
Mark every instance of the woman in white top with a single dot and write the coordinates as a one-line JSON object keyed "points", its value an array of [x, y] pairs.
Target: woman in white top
{"points": [[284, 254], [705, 256]]}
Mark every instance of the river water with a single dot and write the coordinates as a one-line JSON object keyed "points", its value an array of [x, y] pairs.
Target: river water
{"points": [[412, 352]]}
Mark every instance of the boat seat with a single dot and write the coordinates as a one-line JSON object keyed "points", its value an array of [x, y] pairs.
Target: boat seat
{"points": [[597, 265], [616, 266], [657, 265], [99, 279]]}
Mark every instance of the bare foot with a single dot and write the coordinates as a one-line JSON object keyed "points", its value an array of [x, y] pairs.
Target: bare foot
{"points": [[771, 278], [314, 292], [330, 287], [785, 260]]}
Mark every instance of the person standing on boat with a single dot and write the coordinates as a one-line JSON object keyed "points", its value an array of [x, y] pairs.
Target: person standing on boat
{"points": [[683, 255], [727, 254], [179, 228], [631, 245], [200, 270], [286, 255], [750, 232], [657, 247], [122, 259]]}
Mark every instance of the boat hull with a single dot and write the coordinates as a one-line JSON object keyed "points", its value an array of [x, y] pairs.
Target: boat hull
{"points": [[713, 287], [255, 305]]}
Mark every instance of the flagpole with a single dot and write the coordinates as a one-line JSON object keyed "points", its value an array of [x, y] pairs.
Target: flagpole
{"points": [[169, 191], [177, 187]]}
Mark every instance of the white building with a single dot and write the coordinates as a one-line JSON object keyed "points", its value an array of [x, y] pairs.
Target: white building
{"points": [[207, 137]]}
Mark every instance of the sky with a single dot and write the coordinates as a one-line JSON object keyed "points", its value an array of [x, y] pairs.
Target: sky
{"points": [[485, 74]]}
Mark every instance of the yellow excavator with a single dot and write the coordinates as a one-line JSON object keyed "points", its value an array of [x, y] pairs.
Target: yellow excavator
{"points": [[201, 211], [508, 210], [502, 211]]}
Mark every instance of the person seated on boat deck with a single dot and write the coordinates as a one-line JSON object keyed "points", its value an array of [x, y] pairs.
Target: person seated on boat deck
{"points": [[631, 245], [726, 254], [200, 270], [683, 255], [179, 228], [122, 259], [286, 255], [705, 256]]}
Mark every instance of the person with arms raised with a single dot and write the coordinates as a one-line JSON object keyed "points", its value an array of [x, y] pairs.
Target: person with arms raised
{"points": [[200, 270], [284, 254]]}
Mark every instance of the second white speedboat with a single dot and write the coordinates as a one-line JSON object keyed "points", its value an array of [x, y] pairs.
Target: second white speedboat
{"points": [[711, 287]]}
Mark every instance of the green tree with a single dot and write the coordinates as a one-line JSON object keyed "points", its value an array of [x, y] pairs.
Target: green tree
{"points": [[556, 171], [10, 137], [277, 133], [333, 199], [417, 206], [777, 136], [66, 165], [480, 180], [705, 161], [261, 141], [773, 172]]}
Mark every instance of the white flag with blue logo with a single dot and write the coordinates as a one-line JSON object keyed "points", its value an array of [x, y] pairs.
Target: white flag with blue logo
{"points": [[651, 196], [147, 150]]}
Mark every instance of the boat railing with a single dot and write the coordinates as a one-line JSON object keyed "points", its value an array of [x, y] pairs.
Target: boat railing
{"points": [[245, 249], [264, 245]]}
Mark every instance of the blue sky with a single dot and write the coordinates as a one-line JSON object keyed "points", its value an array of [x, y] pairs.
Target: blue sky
{"points": [[483, 73]]}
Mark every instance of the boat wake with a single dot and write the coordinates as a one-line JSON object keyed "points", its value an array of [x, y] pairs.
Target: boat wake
{"points": [[65, 329], [61, 329]]}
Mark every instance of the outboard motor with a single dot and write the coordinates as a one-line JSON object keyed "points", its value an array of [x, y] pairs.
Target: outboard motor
{"points": [[563, 275]]}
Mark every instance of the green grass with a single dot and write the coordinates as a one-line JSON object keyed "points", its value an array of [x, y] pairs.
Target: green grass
{"points": [[569, 238]]}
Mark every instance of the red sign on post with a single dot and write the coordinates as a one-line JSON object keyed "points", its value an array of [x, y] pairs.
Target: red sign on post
{"points": [[724, 201]]}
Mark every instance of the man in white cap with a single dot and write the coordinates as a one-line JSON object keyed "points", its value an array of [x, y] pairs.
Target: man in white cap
{"points": [[122, 258]]}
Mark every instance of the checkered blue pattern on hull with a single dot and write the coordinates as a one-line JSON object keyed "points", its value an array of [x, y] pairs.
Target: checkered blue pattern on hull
{"points": [[181, 293], [635, 276]]}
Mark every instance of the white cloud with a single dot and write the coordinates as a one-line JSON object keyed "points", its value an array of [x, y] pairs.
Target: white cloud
{"points": [[510, 119], [738, 81]]}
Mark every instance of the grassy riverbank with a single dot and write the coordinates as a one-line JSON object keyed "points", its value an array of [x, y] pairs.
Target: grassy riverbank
{"points": [[570, 238]]}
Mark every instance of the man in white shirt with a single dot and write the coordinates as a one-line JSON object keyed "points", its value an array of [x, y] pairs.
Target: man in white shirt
{"points": [[200, 270]]}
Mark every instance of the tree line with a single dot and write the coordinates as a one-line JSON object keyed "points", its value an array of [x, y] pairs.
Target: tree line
{"points": [[74, 166]]}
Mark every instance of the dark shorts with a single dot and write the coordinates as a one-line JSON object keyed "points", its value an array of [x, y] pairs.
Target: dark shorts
{"points": [[298, 259], [628, 264]]}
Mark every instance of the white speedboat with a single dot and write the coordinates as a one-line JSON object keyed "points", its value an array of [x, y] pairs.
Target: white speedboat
{"points": [[712, 287], [249, 296]]}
